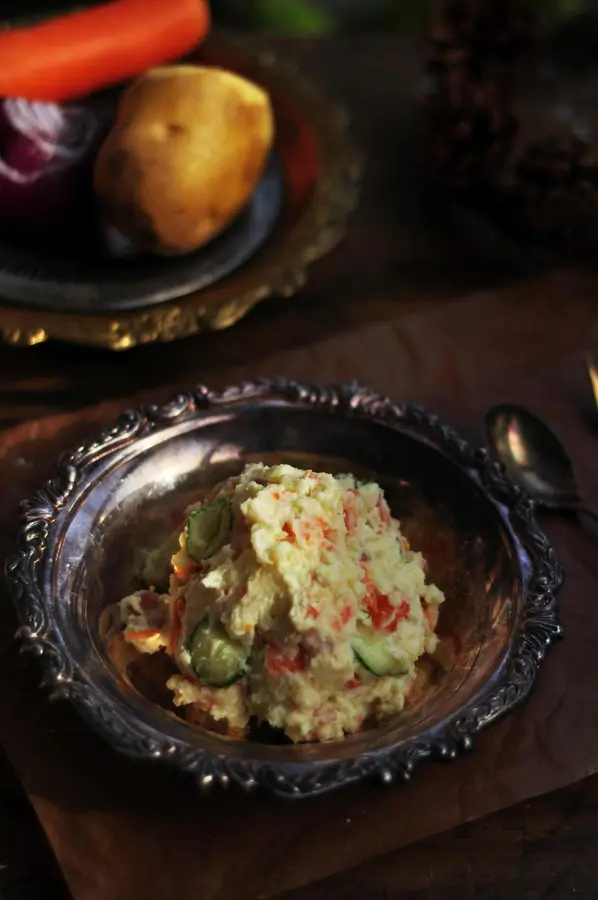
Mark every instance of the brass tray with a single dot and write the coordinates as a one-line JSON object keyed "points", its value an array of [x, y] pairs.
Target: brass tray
{"points": [[321, 171]]}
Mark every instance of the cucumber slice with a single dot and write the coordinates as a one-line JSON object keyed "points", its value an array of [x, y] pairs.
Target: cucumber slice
{"points": [[208, 528], [216, 659], [375, 654]]}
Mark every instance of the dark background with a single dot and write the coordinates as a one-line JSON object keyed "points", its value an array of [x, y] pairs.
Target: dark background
{"points": [[308, 17]]}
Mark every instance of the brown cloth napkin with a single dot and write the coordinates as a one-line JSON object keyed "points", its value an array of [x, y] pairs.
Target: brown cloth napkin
{"points": [[122, 830]]}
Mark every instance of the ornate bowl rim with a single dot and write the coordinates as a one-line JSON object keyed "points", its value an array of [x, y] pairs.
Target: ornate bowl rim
{"points": [[538, 627]]}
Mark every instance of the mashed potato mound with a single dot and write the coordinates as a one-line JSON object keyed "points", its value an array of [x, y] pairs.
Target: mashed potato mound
{"points": [[293, 599]]}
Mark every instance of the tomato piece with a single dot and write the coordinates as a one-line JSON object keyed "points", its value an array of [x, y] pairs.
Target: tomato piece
{"points": [[312, 612], [288, 530]]}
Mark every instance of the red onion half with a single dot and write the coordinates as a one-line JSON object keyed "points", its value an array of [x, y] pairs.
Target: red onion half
{"points": [[45, 161]]}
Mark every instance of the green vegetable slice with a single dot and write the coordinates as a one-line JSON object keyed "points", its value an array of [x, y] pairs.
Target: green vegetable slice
{"points": [[375, 654], [216, 659], [208, 528]]}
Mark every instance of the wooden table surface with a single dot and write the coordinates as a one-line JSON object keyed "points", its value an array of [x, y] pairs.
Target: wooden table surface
{"points": [[402, 254]]}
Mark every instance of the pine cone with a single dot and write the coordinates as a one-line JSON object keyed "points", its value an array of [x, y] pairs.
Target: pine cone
{"points": [[478, 38], [552, 199], [470, 134], [559, 159]]}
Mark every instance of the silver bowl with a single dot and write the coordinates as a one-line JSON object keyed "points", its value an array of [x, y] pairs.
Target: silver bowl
{"points": [[485, 550]]}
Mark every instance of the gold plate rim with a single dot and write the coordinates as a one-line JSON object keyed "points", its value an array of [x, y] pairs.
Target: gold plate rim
{"points": [[319, 228]]}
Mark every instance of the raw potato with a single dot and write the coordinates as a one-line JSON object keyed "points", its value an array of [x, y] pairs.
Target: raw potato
{"points": [[184, 157]]}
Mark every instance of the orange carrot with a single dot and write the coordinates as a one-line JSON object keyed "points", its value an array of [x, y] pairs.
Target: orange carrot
{"points": [[74, 54]]}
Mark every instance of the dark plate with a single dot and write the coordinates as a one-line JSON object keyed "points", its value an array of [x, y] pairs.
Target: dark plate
{"points": [[63, 288], [80, 278], [478, 531]]}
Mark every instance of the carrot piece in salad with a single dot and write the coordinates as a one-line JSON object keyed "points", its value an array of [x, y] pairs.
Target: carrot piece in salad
{"points": [[346, 613], [278, 663], [183, 573], [344, 617], [327, 531], [143, 635], [384, 614]]}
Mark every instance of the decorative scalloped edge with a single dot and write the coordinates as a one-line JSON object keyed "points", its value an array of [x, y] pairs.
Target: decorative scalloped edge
{"points": [[329, 209], [539, 628]]}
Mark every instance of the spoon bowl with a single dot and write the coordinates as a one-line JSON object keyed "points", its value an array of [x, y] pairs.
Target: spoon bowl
{"points": [[532, 455]]}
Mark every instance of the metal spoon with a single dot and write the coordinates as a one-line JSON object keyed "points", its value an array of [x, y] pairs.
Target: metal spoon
{"points": [[534, 458]]}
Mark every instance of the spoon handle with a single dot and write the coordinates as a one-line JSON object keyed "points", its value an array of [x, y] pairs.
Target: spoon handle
{"points": [[591, 511]]}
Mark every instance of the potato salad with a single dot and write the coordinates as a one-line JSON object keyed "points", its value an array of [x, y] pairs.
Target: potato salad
{"points": [[294, 600]]}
